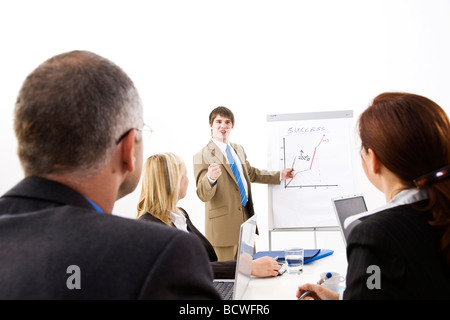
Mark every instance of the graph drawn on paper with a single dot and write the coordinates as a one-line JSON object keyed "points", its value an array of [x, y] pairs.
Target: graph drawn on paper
{"points": [[318, 152], [317, 146], [308, 160]]}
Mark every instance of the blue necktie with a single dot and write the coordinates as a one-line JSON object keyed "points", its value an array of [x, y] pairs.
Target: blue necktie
{"points": [[237, 176]]}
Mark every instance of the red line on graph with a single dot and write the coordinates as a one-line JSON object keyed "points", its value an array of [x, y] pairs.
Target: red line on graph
{"points": [[312, 161], [315, 152], [291, 179]]}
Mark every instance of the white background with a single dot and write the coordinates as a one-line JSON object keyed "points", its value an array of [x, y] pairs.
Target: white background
{"points": [[258, 57]]}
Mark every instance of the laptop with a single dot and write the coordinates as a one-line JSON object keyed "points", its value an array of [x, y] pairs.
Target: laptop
{"points": [[345, 207], [234, 289]]}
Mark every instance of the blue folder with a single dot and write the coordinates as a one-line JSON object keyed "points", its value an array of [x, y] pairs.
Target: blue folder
{"points": [[309, 255]]}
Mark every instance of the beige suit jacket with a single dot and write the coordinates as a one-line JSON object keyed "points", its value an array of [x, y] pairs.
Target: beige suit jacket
{"points": [[223, 210]]}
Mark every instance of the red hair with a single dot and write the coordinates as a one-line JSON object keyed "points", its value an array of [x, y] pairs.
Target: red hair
{"points": [[410, 135]]}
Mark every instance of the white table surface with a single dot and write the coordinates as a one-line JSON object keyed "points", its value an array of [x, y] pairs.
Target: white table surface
{"points": [[284, 287]]}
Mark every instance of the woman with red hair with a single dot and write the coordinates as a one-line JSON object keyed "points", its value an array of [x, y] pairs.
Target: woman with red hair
{"points": [[405, 153]]}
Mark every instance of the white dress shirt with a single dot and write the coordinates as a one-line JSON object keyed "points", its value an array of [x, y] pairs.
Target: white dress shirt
{"points": [[406, 196], [223, 146], [179, 220]]}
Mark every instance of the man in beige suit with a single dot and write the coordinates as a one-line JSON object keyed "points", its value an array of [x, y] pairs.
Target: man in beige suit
{"points": [[227, 194]]}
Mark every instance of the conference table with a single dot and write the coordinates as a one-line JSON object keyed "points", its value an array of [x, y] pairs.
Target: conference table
{"points": [[284, 287]]}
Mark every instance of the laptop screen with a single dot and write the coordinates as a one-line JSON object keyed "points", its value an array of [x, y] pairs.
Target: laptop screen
{"points": [[345, 207], [244, 257]]}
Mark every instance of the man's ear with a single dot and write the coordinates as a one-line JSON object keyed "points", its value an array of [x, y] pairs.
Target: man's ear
{"points": [[128, 155]]}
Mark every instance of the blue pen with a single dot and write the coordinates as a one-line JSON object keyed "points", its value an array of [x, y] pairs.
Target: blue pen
{"points": [[320, 282]]}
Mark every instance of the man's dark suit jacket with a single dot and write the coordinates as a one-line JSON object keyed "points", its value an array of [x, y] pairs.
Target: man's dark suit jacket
{"points": [[404, 246], [221, 269], [45, 227]]}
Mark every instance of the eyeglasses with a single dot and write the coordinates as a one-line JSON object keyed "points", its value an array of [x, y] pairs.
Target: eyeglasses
{"points": [[145, 128]]}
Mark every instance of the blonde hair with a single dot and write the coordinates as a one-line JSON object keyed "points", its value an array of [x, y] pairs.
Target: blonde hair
{"points": [[161, 177]]}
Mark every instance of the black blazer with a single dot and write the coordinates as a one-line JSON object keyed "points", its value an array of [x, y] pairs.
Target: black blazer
{"points": [[221, 269], [405, 247], [45, 227]]}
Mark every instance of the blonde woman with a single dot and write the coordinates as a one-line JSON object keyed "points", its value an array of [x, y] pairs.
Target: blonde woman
{"points": [[164, 182]]}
